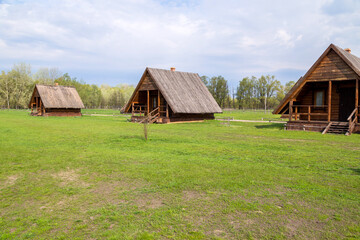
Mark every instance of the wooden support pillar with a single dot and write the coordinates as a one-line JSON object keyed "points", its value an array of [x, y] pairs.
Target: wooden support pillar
{"points": [[159, 100], [167, 110], [296, 112], [309, 113], [148, 102], [132, 108], [40, 107], [291, 109], [357, 98], [329, 101], [357, 93]]}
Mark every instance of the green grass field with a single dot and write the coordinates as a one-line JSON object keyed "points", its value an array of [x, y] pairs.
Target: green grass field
{"points": [[250, 115], [97, 178], [101, 111]]}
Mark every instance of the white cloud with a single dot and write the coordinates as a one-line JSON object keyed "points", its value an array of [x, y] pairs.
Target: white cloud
{"points": [[210, 37]]}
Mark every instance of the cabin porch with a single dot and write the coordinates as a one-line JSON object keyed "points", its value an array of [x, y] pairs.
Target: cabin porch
{"points": [[321, 106], [37, 107], [150, 103]]}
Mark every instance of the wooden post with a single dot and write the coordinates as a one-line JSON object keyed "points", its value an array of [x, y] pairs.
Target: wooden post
{"points": [[329, 101], [132, 109], [357, 98], [296, 111], [148, 102], [159, 100], [37, 104], [290, 109], [40, 107], [167, 110], [309, 112], [357, 93]]}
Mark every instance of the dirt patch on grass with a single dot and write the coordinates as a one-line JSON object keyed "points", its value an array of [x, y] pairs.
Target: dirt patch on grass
{"points": [[192, 195], [10, 180], [69, 177], [148, 201]]}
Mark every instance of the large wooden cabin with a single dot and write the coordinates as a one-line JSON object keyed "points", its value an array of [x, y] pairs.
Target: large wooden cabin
{"points": [[326, 98], [165, 96], [48, 100]]}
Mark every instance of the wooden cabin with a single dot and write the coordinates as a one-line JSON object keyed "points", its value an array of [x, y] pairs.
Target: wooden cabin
{"points": [[165, 96], [326, 98], [48, 100]]}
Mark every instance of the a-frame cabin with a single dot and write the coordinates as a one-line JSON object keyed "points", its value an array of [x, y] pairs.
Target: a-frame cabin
{"points": [[49, 100], [326, 98], [166, 96]]}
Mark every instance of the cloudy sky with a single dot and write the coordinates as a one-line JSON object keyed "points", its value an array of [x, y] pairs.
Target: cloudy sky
{"points": [[113, 41]]}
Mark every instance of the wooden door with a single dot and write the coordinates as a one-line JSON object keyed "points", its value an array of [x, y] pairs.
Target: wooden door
{"points": [[347, 103], [153, 103]]}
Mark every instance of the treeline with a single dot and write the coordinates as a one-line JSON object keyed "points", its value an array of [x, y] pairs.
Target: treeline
{"points": [[16, 87], [264, 92]]}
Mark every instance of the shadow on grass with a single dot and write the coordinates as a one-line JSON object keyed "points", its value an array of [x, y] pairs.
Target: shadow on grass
{"points": [[271, 126], [355, 170]]}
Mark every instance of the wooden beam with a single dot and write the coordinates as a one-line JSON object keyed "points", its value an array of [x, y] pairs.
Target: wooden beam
{"points": [[167, 110], [329, 101], [159, 100], [357, 93], [296, 111], [132, 109], [309, 113], [148, 102], [290, 109]]}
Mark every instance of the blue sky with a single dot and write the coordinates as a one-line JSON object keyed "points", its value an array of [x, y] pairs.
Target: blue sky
{"points": [[111, 42]]}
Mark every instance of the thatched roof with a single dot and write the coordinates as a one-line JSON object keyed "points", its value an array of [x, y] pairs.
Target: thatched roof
{"points": [[183, 91], [351, 60], [59, 96]]}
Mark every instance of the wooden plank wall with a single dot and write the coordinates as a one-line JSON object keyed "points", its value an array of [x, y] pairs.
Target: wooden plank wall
{"points": [[332, 67], [148, 84], [63, 112]]}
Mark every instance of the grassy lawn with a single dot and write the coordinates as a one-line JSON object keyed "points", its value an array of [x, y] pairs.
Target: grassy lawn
{"points": [[250, 115], [101, 111], [96, 178]]}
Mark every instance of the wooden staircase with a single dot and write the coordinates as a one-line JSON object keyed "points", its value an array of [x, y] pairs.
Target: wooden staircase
{"points": [[152, 117], [337, 128]]}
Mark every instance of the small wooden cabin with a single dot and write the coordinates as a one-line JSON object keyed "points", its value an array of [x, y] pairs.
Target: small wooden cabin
{"points": [[167, 96], [326, 98], [48, 100]]}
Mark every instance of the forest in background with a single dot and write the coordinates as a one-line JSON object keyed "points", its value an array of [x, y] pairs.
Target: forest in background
{"points": [[264, 92], [16, 87]]}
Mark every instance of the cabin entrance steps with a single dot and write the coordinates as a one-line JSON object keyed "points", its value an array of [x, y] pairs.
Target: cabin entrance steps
{"points": [[336, 128], [152, 117]]}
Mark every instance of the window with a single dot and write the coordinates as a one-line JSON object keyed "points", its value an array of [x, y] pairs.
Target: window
{"points": [[154, 102], [319, 98]]}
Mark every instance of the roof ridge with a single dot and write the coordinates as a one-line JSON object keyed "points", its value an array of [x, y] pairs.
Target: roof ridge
{"points": [[170, 70], [48, 85]]}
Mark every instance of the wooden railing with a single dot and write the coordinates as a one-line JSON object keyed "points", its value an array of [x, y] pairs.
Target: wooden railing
{"points": [[295, 111], [138, 109], [353, 119], [151, 117]]}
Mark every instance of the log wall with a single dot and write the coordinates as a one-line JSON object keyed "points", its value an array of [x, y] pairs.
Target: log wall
{"points": [[148, 84], [62, 112], [332, 67]]}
